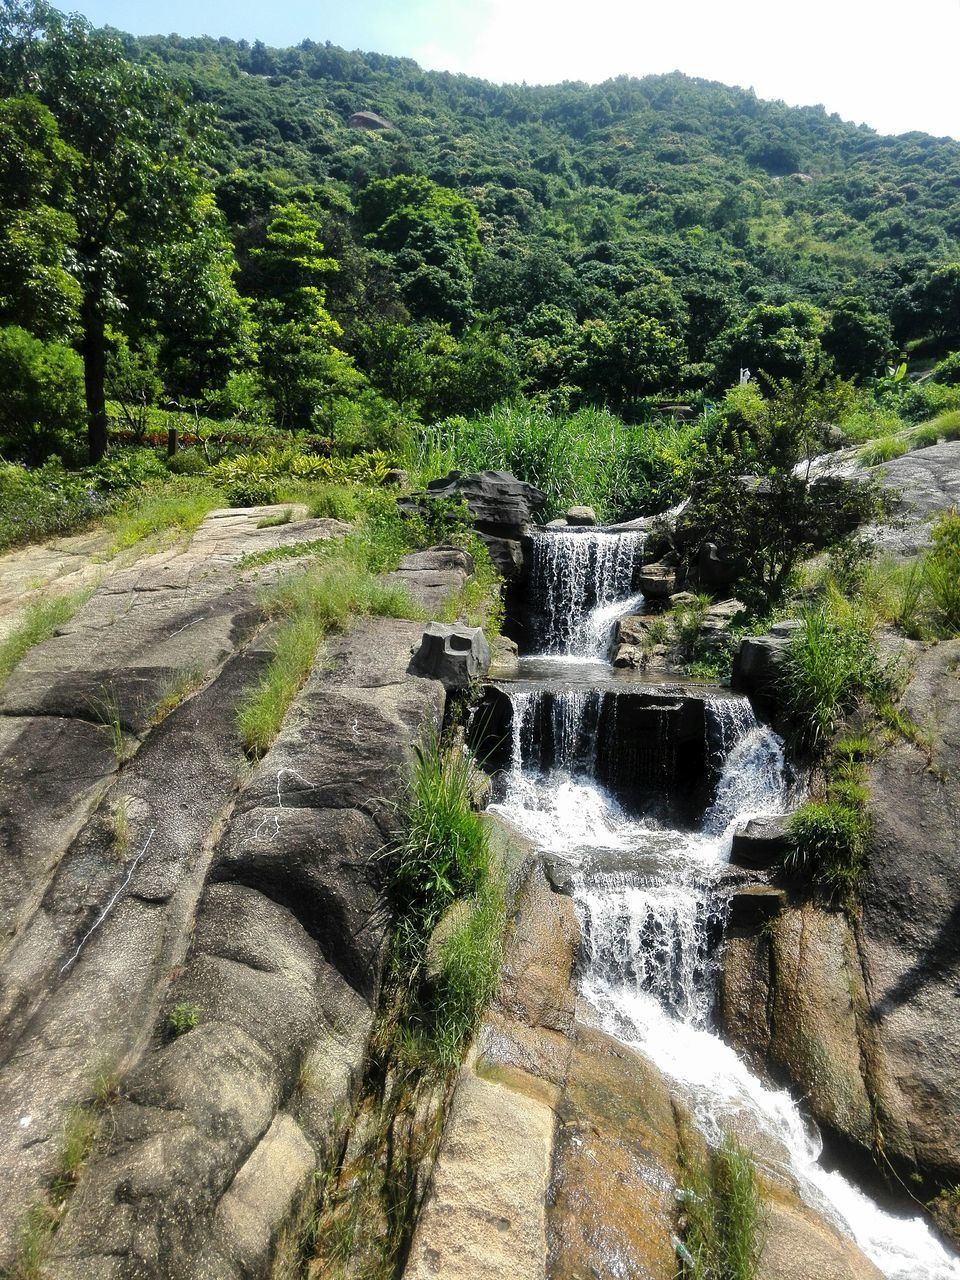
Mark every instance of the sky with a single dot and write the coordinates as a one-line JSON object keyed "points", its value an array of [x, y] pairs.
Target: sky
{"points": [[894, 66]]}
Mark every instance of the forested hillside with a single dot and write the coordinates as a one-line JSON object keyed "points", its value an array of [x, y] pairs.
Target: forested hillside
{"points": [[347, 245]]}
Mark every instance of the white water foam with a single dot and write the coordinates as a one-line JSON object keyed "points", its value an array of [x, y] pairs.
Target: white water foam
{"points": [[582, 581], [649, 972]]}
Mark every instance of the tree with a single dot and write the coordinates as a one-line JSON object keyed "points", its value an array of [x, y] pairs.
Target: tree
{"points": [[300, 367], [777, 341], [36, 171], [136, 184], [931, 306], [762, 509], [857, 340], [41, 409]]}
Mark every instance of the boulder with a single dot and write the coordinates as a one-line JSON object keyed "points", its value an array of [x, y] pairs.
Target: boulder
{"points": [[715, 626], [505, 663], [369, 120], [634, 629], [658, 580], [453, 654], [631, 656], [714, 568], [581, 516], [926, 482], [753, 905], [500, 506], [397, 478], [759, 660], [762, 843]]}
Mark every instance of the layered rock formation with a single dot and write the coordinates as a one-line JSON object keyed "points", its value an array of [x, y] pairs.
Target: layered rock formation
{"points": [[206, 933]]}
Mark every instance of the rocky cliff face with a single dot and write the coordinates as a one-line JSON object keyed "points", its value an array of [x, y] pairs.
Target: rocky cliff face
{"points": [[860, 1016], [148, 871], [563, 1151]]}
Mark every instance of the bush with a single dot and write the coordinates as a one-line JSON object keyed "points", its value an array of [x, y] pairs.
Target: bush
{"points": [[41, 398], [258, 479], [49, 500], [948, 370]]}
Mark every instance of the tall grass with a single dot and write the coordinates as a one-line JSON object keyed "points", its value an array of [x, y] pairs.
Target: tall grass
{"points": [[723, 1216], [39, 622], [588, 457], [829, 665], [443, 858], [165, 513]]}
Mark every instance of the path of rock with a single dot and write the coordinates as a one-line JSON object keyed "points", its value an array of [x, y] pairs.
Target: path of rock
{"points": [[143, 864]]}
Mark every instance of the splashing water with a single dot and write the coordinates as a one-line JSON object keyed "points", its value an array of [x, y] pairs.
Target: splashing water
{"points": [[582, 582], [649, 911]]}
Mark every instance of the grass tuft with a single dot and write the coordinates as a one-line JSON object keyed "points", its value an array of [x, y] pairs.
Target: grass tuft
{"points": [[883, 450], [164, 513], [309, 605], [39, 622], [722, 1216]]}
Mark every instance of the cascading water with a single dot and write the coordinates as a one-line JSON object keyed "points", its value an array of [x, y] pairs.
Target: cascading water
{"points": [[582, 581], [647, 899]]}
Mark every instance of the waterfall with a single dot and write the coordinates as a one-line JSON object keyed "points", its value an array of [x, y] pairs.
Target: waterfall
{"points": [[582, 581], [646, 896]]}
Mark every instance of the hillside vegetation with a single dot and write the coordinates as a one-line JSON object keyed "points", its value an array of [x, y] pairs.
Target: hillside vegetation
{"points": [[204, 234]]}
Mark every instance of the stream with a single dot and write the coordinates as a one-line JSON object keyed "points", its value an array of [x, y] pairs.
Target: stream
{"points": [[646, 881]]}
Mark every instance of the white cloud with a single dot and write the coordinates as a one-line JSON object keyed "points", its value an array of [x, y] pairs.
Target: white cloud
{"points": [[890, 65]]}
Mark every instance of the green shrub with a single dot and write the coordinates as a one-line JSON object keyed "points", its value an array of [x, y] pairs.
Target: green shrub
{"points": [[47, 501], [829, 843], [948, 425], [948, 370], [170, 510], [335, 502], [183, 1017], [257, 479], [41, 398], [187, 462]]}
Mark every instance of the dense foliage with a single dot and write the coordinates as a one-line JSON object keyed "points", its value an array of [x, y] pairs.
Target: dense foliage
{"points": [[211, 225]]}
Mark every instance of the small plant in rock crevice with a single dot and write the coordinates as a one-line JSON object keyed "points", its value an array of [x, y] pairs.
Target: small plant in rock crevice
{"points": [[183, 1017]]}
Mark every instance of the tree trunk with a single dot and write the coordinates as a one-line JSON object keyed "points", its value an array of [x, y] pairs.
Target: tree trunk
{"points": [[93, 349]]}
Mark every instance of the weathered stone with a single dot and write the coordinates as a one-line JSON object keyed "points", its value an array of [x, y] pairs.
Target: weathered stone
{"points": [[759, 660], [754, 905], [761, 843], [631, 656], [438, 572], [927, 483], [486, 1215], [261, 909], [396, 478], [505, 661], [658, 580], [559, 523], [500, 506], [369, 120], [634, 629], [716, 621], [453, 654], [581, 516]]}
